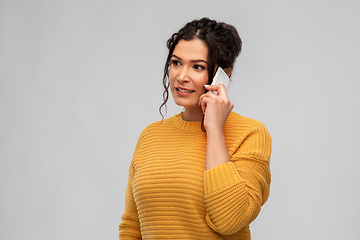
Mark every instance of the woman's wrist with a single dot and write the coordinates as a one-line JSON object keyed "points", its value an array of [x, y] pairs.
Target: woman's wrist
{"points": [[213, 132], [216, 151]]}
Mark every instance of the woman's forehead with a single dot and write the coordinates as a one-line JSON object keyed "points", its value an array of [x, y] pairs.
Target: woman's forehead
{"points": [[194, 49]]}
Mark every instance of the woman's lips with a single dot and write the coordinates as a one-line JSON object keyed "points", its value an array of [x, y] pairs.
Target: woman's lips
{"points": [[183, 91]]}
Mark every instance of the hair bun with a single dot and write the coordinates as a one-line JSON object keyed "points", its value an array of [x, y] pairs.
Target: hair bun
{"points": [[236, 38]]}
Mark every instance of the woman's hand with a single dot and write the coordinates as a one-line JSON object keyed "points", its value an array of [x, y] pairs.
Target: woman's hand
{"points": [[215, 107]]}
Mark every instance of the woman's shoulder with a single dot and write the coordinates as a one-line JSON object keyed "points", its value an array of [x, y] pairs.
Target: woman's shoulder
{"points": [[238, 128], [236, 121], [158, 126]]}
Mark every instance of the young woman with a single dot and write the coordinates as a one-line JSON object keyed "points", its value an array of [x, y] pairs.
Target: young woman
{"points": [[204, 173]]}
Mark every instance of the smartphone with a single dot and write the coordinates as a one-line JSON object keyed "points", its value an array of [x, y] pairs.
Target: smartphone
{"points": [[220, 76]]}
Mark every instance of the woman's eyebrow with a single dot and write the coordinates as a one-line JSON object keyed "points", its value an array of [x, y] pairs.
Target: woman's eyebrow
{"points": [[175, 56], [198, 60]]}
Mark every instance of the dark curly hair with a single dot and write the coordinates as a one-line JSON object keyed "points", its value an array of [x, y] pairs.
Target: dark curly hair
{"points": [[222, 40]]}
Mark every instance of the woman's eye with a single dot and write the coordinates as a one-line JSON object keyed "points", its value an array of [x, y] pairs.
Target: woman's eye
{"points": [[175, 62], [199, 67]]}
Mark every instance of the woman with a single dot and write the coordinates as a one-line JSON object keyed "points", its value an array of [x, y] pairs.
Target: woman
{"points": [[189, 182]]}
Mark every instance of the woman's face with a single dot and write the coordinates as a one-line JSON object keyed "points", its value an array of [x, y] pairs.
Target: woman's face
{"points": [[188, 72]]}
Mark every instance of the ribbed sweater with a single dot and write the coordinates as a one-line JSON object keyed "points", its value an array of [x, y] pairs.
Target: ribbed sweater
{"points": [[170, 195]]}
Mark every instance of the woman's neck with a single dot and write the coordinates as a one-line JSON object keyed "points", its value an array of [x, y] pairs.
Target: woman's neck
{"points": [[192, 114]]}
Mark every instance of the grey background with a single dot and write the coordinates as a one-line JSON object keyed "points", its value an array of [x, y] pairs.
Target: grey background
{"points": [[79, 80]]}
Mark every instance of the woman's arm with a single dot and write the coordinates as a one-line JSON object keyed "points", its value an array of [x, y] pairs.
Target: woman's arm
{"points": [[235, 185], [129, 227], [235, 191]]}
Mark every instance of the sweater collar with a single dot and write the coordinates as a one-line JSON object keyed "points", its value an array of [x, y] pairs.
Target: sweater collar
{"points": [[186, 125]]}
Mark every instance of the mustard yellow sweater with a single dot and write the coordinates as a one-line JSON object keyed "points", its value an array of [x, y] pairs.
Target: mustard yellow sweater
{"points": [[170, 195]]}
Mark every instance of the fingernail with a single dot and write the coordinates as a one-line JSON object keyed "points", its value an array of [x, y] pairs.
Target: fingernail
{"points": [[220, 82], [206, 85]]}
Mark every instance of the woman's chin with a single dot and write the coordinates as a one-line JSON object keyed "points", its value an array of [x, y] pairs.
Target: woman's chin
{"points": [[186, 104]]}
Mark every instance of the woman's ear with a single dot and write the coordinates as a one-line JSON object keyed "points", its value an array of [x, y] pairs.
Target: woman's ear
{"points": [[228, 71]]}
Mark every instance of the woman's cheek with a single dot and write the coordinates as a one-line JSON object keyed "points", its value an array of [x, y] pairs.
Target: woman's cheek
{"points": [[171, 76]]}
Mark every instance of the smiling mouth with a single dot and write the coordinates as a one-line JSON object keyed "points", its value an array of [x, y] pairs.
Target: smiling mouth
{"points": [[184, 90]]}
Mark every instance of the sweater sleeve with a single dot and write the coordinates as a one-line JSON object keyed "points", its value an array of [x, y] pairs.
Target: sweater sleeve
{"points": [[235, 191], [130, 227]]}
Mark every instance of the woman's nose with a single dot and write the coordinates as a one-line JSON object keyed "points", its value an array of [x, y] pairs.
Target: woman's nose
{"points": [[183, 76]]}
